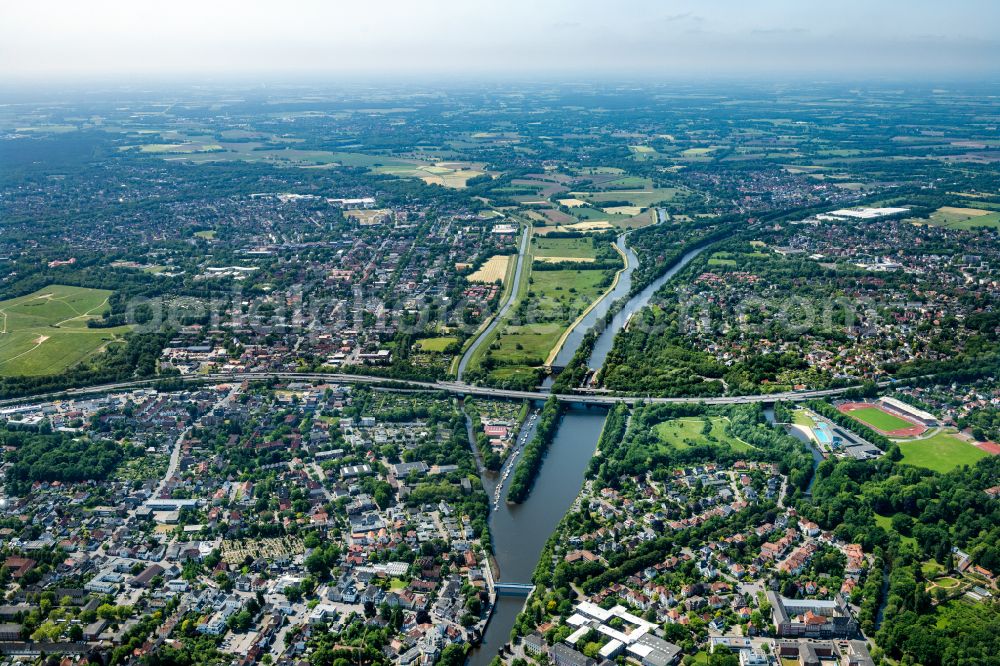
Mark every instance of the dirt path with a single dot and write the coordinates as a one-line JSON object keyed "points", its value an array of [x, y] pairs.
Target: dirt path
{"points": [[80, 315]]}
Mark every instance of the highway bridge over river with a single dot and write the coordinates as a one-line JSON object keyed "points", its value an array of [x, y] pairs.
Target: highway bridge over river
{"points": [[453, 387]]}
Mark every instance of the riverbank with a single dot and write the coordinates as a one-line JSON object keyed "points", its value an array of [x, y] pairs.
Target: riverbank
{"points": [[554, 354], [519, 531], [533, 455]]}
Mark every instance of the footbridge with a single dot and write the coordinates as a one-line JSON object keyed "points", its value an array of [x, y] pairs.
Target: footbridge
{"points": [[513, 589]]}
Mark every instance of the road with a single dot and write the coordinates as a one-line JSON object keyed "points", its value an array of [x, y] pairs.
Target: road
{"points": [[508, 304], [175, 460], [455, 387], [175, 453]]}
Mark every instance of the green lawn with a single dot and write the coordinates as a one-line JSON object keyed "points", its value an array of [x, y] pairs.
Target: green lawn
{"points": [[722, 259], [802, 418], [931, 569], [435, 344], [885, 522], [879, 419], [46, 332], [941, 453], [685, 433], [947, 582]]}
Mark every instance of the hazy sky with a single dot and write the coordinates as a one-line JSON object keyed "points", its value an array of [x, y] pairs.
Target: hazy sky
{"points": [[665, 38]]}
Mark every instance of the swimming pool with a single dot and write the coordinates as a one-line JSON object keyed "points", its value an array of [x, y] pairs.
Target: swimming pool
{"points": [[822, 432]]}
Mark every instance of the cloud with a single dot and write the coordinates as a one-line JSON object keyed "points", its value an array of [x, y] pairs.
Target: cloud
{"points": [[565, 25], [687, 17], [107, 38], [779, 31]]}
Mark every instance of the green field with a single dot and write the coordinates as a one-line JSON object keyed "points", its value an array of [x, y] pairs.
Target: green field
{"points": [[553, 300], [642, 198], [46, 332], [941, 453], [557, 298], [588, 214], [964, 218], [685, 433], [722, 259], [181, 148], [629, 183], [878, 419], [435, 344], [577, 248], [697, 152]]}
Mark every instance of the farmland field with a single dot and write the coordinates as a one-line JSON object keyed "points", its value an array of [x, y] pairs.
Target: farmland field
{"points": [[964, 218], [180, 147], [879, 419], [631, 211], [583, 227], [446, 174], [563, 248], [722, 259], [941, 453], [494, 269], [641, 198], [46, 332]]}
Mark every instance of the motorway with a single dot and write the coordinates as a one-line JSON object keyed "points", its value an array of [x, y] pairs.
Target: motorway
{"points": [[455, 387]]}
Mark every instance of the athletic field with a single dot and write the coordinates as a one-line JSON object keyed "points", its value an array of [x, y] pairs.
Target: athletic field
{"points": [[882, 421]]}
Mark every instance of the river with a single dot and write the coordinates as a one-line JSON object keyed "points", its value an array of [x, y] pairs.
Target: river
{"points": [[520, 531]]}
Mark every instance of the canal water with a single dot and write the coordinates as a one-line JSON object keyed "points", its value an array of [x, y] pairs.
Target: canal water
{"points": [[520, 531], [622, 289]]}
